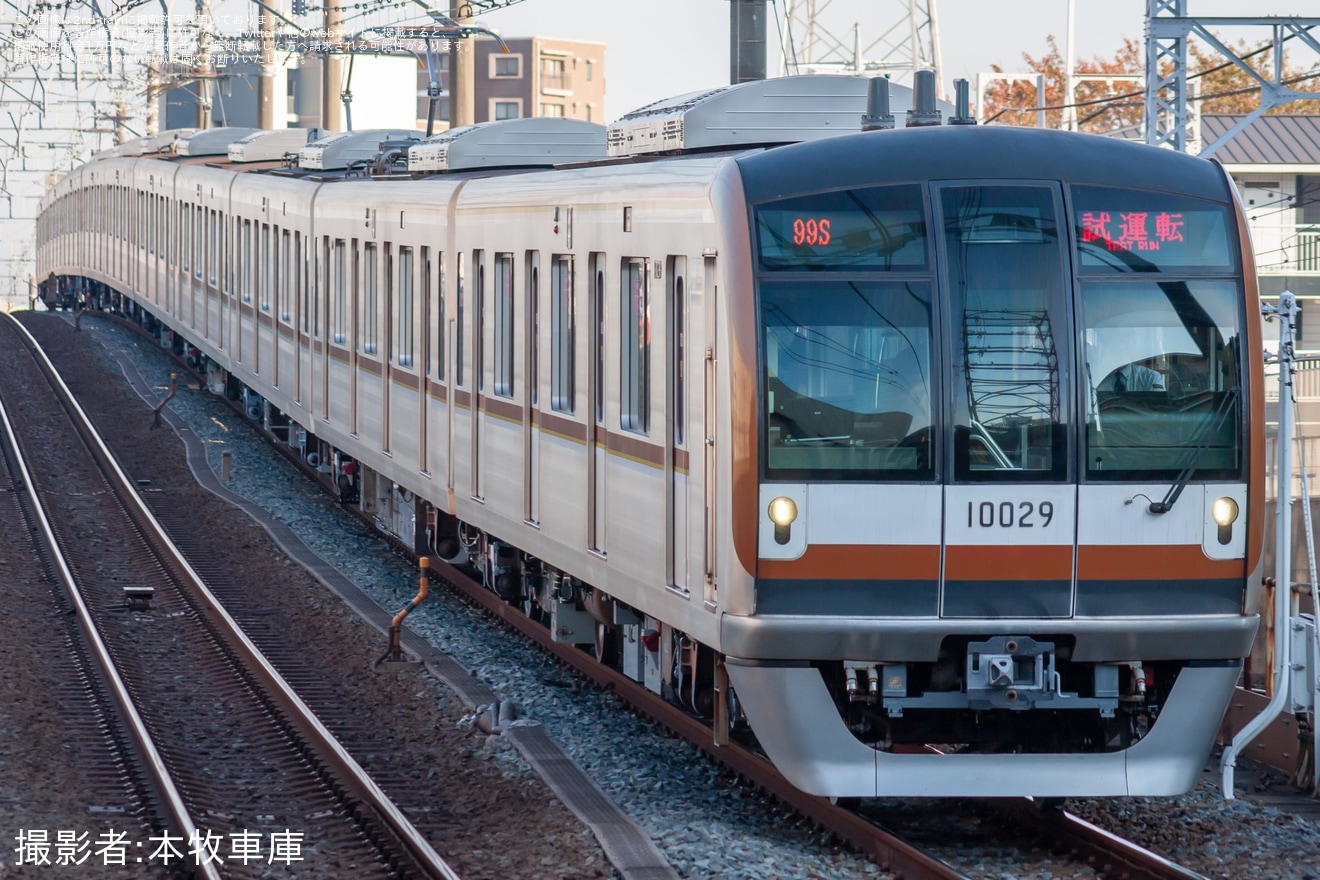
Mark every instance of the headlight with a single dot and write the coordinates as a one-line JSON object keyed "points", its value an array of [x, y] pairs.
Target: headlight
{"points": [[1224, 512], [783, 510]]}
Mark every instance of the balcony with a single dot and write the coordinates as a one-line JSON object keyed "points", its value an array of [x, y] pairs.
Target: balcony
{"points": [[558, 84], [1297, 251]]}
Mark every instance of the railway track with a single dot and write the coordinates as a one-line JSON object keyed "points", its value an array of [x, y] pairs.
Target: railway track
{"points": [[237, 761], [1048, 830]]}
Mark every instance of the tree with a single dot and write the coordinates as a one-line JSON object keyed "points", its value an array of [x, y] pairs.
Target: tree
{"points": [[1224, 87], [1227, 88], [1102, 107]]}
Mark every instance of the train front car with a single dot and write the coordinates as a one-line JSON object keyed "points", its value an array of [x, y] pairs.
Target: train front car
{"points": [[1009, 446]]}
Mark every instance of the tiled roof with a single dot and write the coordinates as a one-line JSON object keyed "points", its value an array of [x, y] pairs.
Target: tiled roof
{"points": [[1269, 140]]}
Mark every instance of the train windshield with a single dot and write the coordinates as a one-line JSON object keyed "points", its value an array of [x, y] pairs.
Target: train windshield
{"points": [[1162, 336], [1009, 305], [847, 379], [1137, 344], [1162, 367]]}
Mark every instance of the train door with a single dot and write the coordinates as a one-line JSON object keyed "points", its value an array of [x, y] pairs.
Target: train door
{"points": [[228, 255], [676, 462], [332, 272], [243, 280], [354, 338], [387, 352], [709, 431], [456, 364], [598, 451], [478, 363], [300, 316], [424, 386], [1009, 500], [531, 360]]}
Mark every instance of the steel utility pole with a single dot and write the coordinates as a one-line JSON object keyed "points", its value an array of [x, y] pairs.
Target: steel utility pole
{"points": [[266, 69], [332, 69], [746, 40], [462, 70], [205, 69]]}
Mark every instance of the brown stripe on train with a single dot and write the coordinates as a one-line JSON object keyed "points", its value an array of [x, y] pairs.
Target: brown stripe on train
{"points": [[1146, 562], [849, 561], [999, 563]]}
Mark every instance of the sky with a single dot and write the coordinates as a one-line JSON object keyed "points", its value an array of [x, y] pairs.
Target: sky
{"points": [[659, 48]]}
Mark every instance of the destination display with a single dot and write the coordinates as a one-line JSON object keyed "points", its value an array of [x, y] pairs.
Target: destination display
{"points": [[1133, 231], [872, 229]]}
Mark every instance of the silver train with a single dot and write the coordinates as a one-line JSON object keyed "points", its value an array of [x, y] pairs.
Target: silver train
{"points": [[931, 456]]}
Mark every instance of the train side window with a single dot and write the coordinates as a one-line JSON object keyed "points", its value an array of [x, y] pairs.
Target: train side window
{"points": [[198, 241], [321, 285], [424, 319], [387, 306], [478, 320], [339, 315], [635, 347], [151, 224], [404, 343], [185, 260], [440, 325], [458, 321], [264, 279], [534, 321], [369, 329], [563, 321], [285, 279], [504, 325], [142, 222], [677, 267], [213, 257], [244, 274], [162, 226], [599, 340], [300, 283]]}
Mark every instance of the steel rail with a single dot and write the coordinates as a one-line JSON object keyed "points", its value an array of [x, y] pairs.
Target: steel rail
{"points": [[891, 852], [1105, 851], [322, 741], [161, 779]]}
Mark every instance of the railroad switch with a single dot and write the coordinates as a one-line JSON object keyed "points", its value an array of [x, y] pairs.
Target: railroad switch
{"points": [[139, 598]]}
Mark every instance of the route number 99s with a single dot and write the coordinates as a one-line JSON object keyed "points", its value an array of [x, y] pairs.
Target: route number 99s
{"points": [[1009, 514]]}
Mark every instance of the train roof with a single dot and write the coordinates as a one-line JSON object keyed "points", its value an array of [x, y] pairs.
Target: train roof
{"points": [[527, 142], [212, 141], [779, 110], [974, 152], [341, 149], [268, 145]]}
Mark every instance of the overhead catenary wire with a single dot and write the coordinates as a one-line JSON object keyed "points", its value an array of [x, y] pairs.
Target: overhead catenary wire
{"points": [[1128, 95]]}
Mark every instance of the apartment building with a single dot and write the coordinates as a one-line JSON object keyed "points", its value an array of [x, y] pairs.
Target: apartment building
{"points": [[538, 76]]}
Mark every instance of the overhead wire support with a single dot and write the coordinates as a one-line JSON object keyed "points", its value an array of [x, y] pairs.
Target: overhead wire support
{"points": [[1168, 104]]}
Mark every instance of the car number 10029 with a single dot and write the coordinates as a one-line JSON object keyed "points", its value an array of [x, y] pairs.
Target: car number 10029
{"points": [[1009, 514]]}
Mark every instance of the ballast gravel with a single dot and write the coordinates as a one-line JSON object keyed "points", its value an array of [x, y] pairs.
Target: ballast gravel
{"points": [[706, 824]]}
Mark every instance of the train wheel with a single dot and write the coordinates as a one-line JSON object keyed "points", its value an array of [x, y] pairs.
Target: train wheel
{"points": [[607, 645]]}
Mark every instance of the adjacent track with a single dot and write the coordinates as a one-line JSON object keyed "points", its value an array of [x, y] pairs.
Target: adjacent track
{"points": [[1048, 829], [230, 747]]}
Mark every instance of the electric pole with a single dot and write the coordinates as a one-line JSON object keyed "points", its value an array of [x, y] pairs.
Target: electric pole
{"points": [[332, 69], [462, 70], [204, 66], [266, 69]]}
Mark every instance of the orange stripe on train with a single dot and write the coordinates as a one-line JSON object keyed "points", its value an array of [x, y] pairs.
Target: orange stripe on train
{"points": [[857, 561]]}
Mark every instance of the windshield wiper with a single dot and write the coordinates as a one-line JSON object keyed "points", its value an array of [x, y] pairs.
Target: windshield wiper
{"points": [[1211, 430]]}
